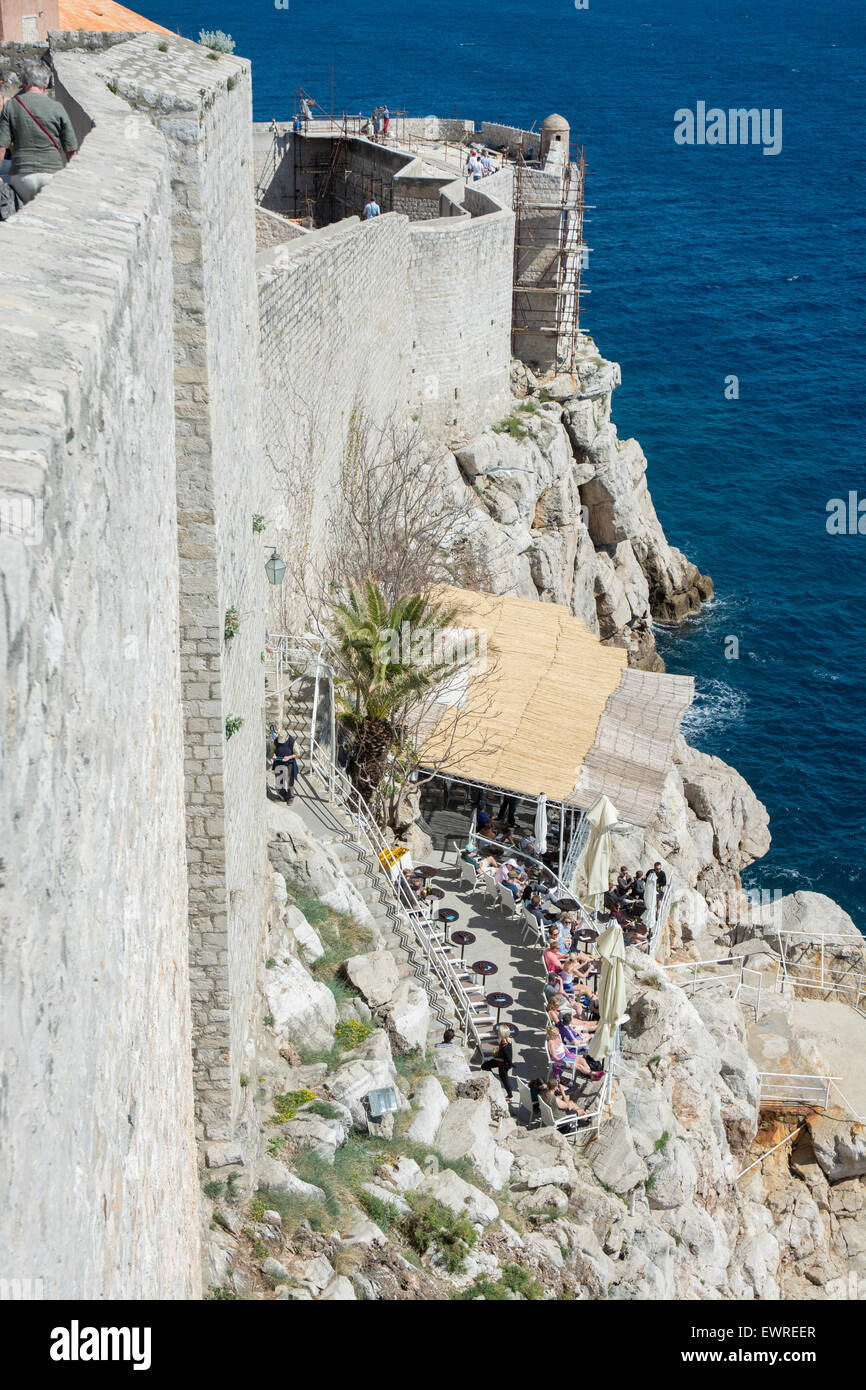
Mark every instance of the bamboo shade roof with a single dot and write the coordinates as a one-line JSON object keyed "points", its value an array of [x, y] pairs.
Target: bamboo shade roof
{"points": [[558, 712], [529, 721]]}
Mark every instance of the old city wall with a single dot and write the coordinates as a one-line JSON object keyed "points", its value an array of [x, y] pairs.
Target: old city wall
{"points": [[100, 1190], [203, 108], [403, 317]]}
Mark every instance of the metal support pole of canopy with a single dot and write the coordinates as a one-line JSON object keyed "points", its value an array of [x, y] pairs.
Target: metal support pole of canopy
{"points": [[561, 834]]}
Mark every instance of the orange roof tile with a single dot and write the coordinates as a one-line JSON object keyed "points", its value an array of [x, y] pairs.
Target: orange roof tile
{"points": [[104, 14]]}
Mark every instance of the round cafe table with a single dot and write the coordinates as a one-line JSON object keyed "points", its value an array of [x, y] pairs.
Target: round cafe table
{"points": [[587, 934], [566, 904], [498, 1000], [446, 916], [436, 894], [427, 871], [463, 939], [484, 968]]}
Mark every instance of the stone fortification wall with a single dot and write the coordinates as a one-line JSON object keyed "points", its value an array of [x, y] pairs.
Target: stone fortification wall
{"points": [[203, 108], [335, 315], [458, 267], [460, 274], [100, 1189]]}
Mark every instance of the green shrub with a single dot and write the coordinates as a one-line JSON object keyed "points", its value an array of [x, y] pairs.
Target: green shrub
{"points": [[513, 426], [289, 1103], [351, 1032], [213, 1190], [430, 1223], [217, 40], [234, 722], [231, 624]]}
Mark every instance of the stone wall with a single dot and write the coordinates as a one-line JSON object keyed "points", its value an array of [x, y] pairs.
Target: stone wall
{"points": [[460, 274], [100, 1188], [204, 110], [335, 316]]}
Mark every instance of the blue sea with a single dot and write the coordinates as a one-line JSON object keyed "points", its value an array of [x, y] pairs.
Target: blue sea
{"points": [[706, 263]]}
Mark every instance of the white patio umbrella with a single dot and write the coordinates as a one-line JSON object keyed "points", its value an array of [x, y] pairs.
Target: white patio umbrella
{"points": [[540, 831], [611, 989], [602, 817]]}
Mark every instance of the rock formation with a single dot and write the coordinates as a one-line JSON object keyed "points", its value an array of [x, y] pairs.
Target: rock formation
{"points": [[573, 522]]}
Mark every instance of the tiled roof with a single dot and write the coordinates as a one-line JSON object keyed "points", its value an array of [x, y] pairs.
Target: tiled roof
{"points": [[104, 14]]}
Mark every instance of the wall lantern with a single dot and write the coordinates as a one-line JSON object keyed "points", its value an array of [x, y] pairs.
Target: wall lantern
{"points": [[275, 568]]}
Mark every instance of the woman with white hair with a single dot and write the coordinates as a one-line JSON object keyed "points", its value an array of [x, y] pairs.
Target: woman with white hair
{"points": [[39, 131]]}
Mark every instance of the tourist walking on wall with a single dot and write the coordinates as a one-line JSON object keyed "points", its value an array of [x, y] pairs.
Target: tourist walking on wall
{"points": [[386, 121], [372, 209], [39, 131]]}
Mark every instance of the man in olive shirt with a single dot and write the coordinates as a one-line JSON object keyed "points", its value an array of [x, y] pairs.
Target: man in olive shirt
{"points": [[39, 131]]}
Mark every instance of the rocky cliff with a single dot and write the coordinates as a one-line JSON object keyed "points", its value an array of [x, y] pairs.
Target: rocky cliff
{"points": [[564, 513], [450, 1198]]}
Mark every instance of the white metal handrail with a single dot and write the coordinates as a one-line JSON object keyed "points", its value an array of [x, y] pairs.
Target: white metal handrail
{"points": [[796, 1088], [411, 910], [740, 971], [586, 919]]}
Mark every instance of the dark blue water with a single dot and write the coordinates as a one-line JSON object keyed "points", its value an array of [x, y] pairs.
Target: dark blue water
{"points": [[706, 262]]}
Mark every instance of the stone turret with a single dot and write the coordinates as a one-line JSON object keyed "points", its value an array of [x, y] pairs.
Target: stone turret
{"points": [[554, 130]]}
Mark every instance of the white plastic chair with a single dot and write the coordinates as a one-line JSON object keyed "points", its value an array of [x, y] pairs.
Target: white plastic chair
{"points": [[468, 874], [551, 1121], [489, 885], [507, 901]]}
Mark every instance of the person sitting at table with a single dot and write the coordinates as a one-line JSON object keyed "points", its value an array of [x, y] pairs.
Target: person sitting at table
{"points": [[505, 877], [482, 816], [551, 957], [535, 908], [623, 882], [489, 863], [561, 1056], [552, 988], [469, 854], [555, 1095]]}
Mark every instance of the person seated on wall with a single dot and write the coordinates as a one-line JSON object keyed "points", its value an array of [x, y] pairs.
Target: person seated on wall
{"points": [[39, 131], [285, 766]]}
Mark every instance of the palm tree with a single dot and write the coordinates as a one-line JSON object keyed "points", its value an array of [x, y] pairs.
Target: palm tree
{"points": [[384, 677]]}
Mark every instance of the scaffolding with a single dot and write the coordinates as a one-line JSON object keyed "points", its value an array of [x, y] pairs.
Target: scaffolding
{"points": [[327, 190], [549, 255]]}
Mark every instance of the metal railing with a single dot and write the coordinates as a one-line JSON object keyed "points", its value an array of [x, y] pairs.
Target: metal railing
{"points": [[699, 974], [424, 950], [795, 1088], [585, 917]]}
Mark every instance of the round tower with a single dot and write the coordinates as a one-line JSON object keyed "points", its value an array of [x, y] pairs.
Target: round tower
{"points": [[554, 130]]}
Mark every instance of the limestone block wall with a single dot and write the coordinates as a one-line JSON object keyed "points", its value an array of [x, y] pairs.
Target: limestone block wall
{"points": [[460, 273], [203, 110], [335, 315], [99, 1169]]}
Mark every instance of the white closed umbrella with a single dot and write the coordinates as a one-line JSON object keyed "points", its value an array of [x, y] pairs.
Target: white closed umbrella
{"points": [[540, 832], [611, 990], [602, 817]]}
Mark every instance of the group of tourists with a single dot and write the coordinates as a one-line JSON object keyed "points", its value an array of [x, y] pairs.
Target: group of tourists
{"points": [[478, 166]]}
